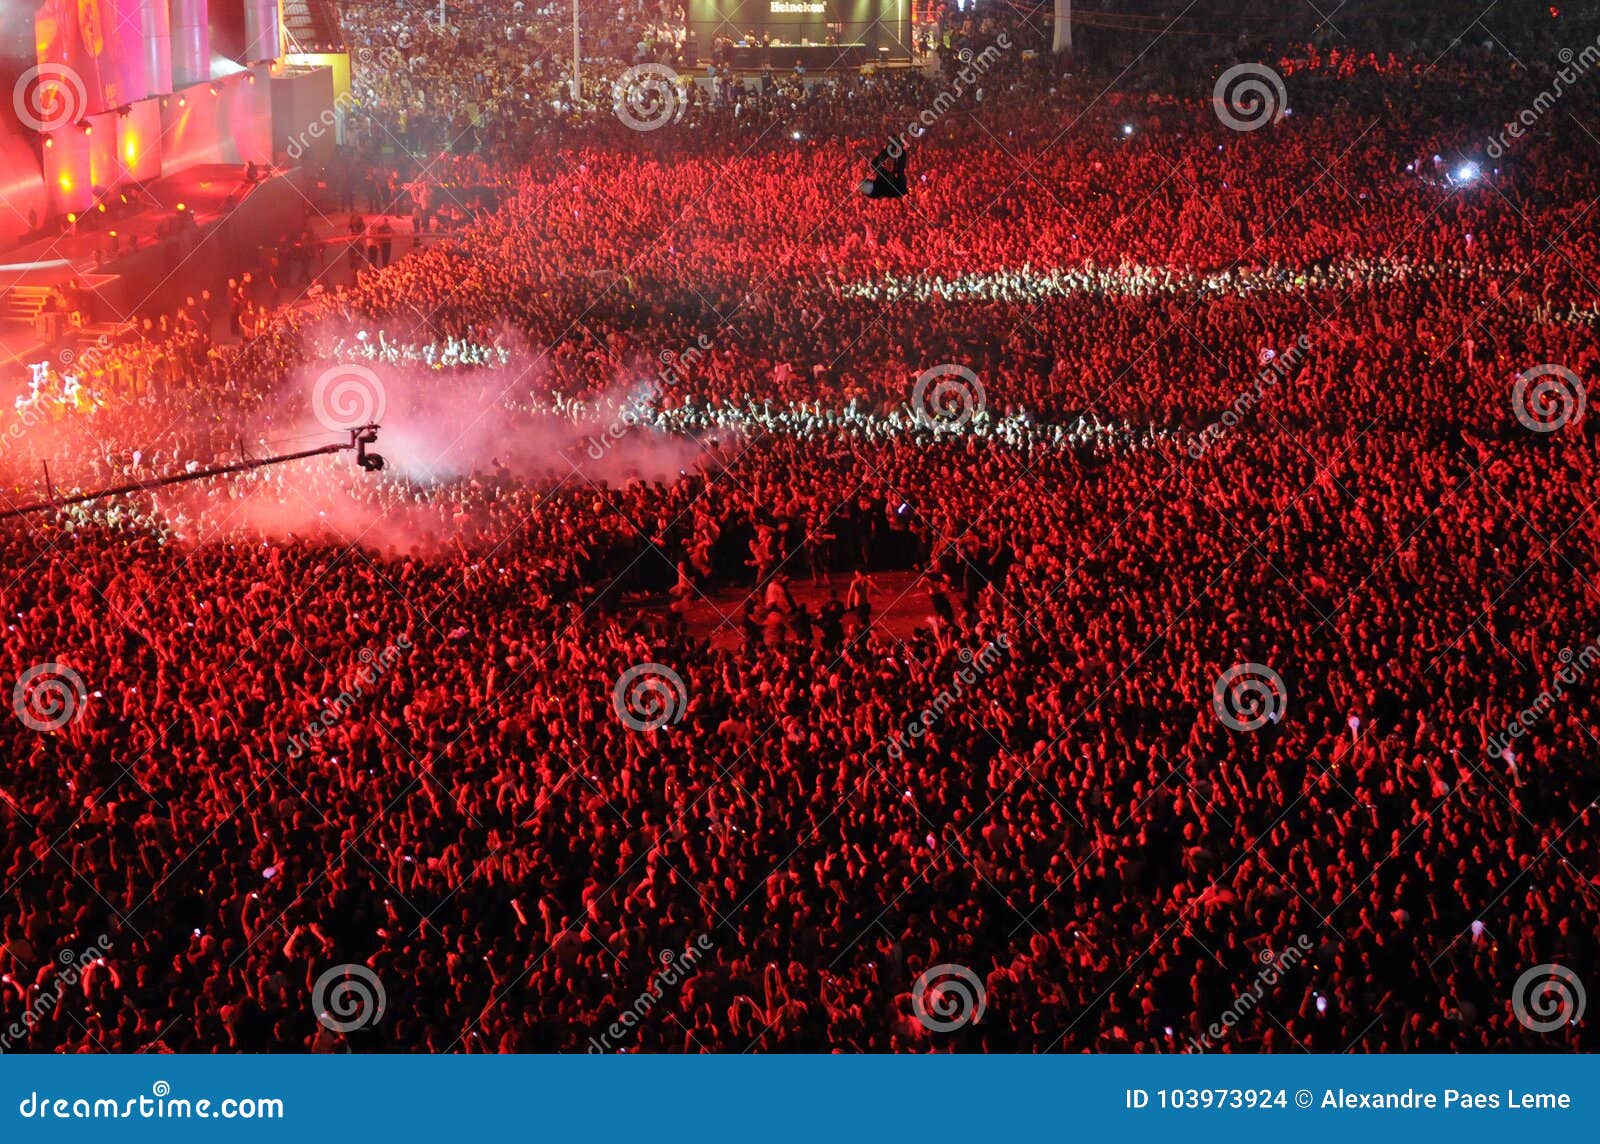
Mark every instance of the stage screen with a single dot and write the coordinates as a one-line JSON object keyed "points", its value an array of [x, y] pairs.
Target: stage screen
{"points": [[100, 44]]}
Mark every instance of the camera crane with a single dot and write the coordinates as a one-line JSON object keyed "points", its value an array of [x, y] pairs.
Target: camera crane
{"points": [[360, 438]]}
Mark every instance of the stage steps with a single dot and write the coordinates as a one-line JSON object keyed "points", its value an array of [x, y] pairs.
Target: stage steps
{"points": [[23, 303], [314, 25]]}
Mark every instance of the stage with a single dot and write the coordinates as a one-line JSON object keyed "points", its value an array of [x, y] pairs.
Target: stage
{"points": [[818, 34], [812, 57], [236, 228], [160, 240]]}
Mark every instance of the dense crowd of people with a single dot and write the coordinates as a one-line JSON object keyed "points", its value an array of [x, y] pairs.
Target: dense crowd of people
{"points": [[1123, 401]]}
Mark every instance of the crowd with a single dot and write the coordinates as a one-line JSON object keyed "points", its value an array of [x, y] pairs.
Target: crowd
{"points": [[1127, 400]]}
